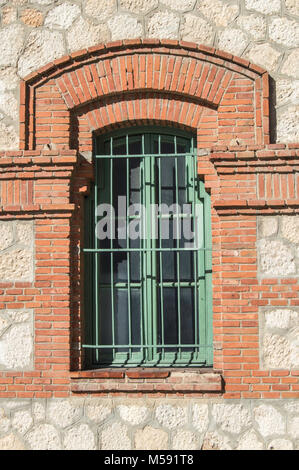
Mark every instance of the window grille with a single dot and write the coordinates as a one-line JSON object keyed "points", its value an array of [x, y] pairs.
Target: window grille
{"points": [[148, 297]]}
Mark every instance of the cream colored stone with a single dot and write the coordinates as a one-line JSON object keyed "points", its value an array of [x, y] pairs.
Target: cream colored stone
{"points": [[15, 404], [9, 103], [281, 318], [43, 437], [200, 417], [16, 265], [125, 26], [115, 437], [138, 6], [179, 5], [4, 422], [185, 440], [231, 418], [269, 226], [24, 233], [85, 34], [284, 31], [22, 421], [32, 17], [288, 125], [133, 414], [276, 259], [292, 6], [218, 12], [290, 228], [37, 51], [19, 316], [269, 420], [171, 416], [4, 324], [151, 438], [291, 64], [264, 6], [293, 427], [256, 26], [6, 235], [63, 413], [79, 437], [280, 444], [8, 14], [11, 40], [250, 441], [38, 412], [11, 442], [276, 352], [8, 78], [164, 25], [287, 91], [8, 137], [264, 55], [97, 413], [292, 407], [63, 15], [195, 29], [16, 347], [294, 347], [44, 2], [100, 10], [233, 40], [215, 441]]}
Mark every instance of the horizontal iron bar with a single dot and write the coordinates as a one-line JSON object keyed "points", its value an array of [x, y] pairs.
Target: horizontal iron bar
{"points": [[157, 155], [111, 250], [138, 285], [149, 346]]}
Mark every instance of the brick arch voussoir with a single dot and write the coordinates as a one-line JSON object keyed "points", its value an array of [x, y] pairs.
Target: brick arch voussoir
{"points": [[185, 70]]}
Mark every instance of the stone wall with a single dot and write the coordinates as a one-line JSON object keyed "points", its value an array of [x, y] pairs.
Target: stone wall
{"points": [[139, 424], [16, 264], [278, 250], [36, 32]]}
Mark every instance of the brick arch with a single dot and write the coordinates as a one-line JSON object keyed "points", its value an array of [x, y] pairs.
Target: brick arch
{"points": [[222, 96]]}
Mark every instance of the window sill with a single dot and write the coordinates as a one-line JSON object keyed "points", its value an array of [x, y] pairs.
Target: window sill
{"points": [[146, 381]]}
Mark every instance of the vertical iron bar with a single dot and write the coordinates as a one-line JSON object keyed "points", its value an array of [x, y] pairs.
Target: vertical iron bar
{"points": [[195, 256], [128, 254], [178, 254], [111, 247], [161, 255], [97, 313]]}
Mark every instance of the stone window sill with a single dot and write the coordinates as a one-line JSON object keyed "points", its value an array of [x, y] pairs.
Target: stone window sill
{"points": [[147, 380]]}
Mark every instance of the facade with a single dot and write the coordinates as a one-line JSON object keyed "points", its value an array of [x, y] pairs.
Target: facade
{"points": [[75, 75]]}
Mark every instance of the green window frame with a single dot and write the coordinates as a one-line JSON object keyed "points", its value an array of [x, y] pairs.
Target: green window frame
{"points": [[148, 301]]}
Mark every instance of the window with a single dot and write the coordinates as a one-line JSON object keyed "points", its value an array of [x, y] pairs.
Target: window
{"points": [[147, 276]]}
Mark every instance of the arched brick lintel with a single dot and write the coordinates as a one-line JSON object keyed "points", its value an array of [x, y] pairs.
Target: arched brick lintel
{"points": [[183, 72]]}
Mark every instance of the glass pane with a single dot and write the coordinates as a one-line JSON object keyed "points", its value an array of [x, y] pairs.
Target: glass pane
{"points": [[169, 317], [135, 180], [119, 146], [120, 316], [135, 145], [170, 258], [183, 145], [187, 316], [173, 180]]}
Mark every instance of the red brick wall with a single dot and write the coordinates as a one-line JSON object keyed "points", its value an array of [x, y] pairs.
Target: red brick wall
{"points": [[223, 98]]}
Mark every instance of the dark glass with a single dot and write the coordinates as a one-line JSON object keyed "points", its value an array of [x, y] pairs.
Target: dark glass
{"points": [[121, 318], [170, 317], [135, 145]]}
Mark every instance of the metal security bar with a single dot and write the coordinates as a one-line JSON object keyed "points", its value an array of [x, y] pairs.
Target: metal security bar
{"points": [[148, 297]]}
